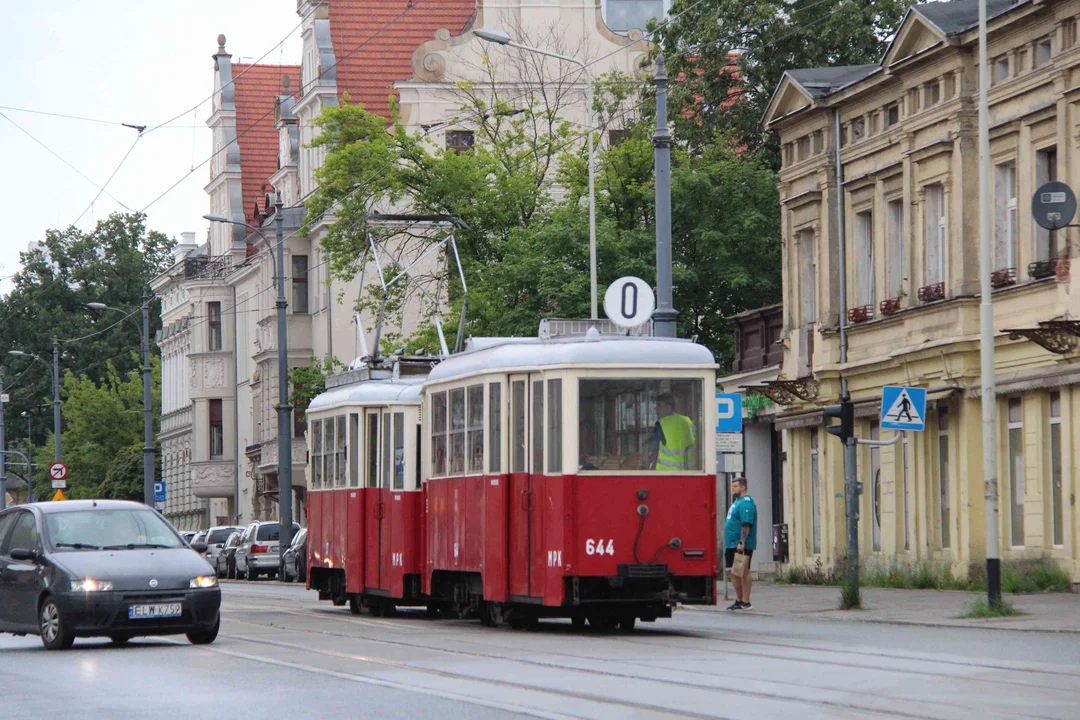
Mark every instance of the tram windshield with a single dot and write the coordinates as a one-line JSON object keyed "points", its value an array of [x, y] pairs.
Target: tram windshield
{"points": [[640, 424]]}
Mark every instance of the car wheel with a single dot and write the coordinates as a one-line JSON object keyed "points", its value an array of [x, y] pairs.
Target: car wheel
{"points": [[205, 637], [54, 633], [252, 576], [120, 639]]}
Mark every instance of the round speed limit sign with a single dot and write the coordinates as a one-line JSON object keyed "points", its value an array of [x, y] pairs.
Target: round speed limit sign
{"points": [[629, 302]]}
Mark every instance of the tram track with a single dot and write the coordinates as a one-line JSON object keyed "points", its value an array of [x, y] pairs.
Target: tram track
{"points": [[497, 656]]}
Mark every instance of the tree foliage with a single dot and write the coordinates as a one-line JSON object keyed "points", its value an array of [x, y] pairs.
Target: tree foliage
{"points": [[67, 270], [522, 192], [729, 55], [103, 427]]}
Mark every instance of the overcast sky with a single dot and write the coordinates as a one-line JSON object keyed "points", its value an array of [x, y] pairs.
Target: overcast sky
{"points": [[139, 62]]}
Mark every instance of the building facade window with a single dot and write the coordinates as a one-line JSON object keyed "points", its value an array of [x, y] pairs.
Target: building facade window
{"points": [[864, 258], [1056, 512], [808, 271], [931, 93], [1016, 471], [1005, 248], [460, 141], [894, 240], [1001, 69], [300, 284], [1042, 52], [943, 475], [625, 15], [892, 114], [217, 429], [213, 324], [815, 491], [1045, 171], [935, 234]]}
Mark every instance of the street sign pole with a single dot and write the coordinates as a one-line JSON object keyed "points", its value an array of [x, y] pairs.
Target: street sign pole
{"points": [[3, 448]]}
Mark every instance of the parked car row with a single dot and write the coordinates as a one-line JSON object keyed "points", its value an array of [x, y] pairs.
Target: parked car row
{"points": [[251, 552]]}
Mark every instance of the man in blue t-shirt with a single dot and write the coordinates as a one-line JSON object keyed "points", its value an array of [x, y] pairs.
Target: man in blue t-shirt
{"points": [[740, 536]]}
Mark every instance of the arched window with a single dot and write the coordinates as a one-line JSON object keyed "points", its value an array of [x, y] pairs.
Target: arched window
{"points": [[626, 15]]}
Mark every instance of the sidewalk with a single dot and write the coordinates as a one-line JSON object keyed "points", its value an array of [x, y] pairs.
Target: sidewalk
{"points": [[1049, 612]]}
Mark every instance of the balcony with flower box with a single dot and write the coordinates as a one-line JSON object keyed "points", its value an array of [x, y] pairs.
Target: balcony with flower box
{"points": [[861, 314], [889, 306], [1002, 278], [932, 293]]}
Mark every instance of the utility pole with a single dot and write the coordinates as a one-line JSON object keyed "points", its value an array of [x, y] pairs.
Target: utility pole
{"points": [[3, 448], [665, 315], [284, 408], [986, 333], [56, 398], [148, 405]]}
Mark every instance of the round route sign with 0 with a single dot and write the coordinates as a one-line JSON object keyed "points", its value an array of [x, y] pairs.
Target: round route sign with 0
{"points": [[629, 302], [58, 471]]}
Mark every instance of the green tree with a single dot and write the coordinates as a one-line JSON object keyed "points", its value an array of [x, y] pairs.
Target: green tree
{"points": [[103, 425], [69, 269], [727, 57]]}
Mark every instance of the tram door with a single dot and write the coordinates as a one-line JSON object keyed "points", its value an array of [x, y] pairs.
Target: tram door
{"points": [[375, 515], [526, 477]]}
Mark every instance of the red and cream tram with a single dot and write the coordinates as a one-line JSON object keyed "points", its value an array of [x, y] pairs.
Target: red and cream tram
{"points": [[364, 505], [561, 477]]}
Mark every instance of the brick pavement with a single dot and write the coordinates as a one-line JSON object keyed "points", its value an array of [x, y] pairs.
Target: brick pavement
{"points": [[1048, 612]]}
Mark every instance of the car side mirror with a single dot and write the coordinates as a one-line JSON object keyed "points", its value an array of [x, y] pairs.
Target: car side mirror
{"points": [[199, 547], [24, 554]]}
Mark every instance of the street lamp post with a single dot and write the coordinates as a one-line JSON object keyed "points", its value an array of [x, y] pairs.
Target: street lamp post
{"points": [[502, 38], [148, 402], [3, 447], [56, 390], [284, 408]]}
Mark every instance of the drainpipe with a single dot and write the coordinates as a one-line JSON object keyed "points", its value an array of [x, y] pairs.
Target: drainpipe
{"points": [[842, 248], [236, 409]]}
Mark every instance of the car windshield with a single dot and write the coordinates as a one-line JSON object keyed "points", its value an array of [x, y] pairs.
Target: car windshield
{"points": [[109, 529], [220, 535]]}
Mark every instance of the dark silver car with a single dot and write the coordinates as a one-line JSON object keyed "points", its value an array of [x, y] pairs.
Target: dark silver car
{"points": [[259, 552], [86, 568], [226, 559], [215, 541], [296, 558]]}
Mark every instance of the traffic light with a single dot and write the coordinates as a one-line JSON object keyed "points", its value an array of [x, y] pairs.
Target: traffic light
{"points": [[846, 412]]}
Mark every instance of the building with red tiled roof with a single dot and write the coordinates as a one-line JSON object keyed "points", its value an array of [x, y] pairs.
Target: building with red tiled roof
{"points": [[374, 41], [257, 91]]}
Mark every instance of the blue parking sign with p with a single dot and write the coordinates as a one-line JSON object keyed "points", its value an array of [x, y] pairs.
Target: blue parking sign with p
{"points": [[159, 492], [728, 412]]}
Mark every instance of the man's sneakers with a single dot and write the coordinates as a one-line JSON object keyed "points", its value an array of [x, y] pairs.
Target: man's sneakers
{"points": [[739, 605]]}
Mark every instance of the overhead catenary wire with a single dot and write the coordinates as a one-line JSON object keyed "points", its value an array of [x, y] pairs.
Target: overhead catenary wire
{"points": [[266, 114], [61, 159], [102, 189]]}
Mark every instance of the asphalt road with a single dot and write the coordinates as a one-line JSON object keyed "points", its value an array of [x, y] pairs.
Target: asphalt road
{"points": [[282, 654]]}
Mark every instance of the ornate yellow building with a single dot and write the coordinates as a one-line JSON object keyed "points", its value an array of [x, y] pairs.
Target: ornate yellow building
{"points": [[907, 135]]}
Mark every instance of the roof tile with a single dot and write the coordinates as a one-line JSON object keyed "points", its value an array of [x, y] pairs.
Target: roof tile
{"points": [[257, 88]]}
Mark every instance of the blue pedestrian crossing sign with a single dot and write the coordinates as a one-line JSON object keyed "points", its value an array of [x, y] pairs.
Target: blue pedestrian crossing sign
{"points": [[903, 408], [729, 412]]}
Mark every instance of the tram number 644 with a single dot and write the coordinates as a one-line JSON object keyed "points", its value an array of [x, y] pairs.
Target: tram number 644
{"points": [[598, 547]]}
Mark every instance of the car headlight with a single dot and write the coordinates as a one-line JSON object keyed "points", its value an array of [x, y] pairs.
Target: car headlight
{"points": [[90, 585], [203, 581]]}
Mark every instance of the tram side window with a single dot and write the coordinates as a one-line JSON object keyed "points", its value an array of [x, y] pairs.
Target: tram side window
{"points": [[341, 451], [457, 431], [495, 428], [475, 440], [554, 400], [399, 451], [387, 444], [372, 450], [538, 427], [438, 434], [316, 455], [328, 452], [517, 430], [354, 443], [640, 424]]}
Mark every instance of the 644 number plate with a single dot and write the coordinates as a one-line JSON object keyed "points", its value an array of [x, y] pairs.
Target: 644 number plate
{"points": [[154, 612]]}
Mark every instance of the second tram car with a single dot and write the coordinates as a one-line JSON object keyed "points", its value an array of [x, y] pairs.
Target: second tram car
{"points": [[534, 477]]}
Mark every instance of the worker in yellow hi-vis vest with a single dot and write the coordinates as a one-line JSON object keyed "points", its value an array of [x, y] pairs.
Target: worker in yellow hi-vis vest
{"points": [[674, 437]]}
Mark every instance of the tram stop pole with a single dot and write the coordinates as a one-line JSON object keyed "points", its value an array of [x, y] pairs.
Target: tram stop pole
{"points": [[665, 315]]}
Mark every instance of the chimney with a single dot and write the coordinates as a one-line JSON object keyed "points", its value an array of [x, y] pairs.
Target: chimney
{"points": [[186, 246]]}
